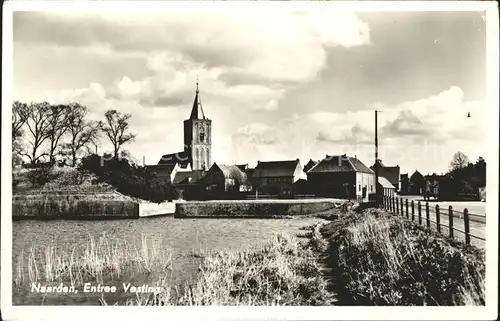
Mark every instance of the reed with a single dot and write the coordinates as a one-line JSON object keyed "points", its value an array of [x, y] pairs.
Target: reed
{"points": [[98, 260]]}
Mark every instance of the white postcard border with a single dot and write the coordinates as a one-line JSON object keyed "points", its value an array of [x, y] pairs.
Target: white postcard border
{"points": [[255, 313]]}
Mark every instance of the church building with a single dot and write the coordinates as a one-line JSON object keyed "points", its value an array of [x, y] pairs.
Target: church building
{"points": [[197, 153]]}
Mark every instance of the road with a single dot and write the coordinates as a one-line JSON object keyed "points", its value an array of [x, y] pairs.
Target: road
{"points": [[477, 226], [478, 208]]}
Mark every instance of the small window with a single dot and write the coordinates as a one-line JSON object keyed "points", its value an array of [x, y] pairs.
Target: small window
{"points": [[359, 188], [371, 188]]}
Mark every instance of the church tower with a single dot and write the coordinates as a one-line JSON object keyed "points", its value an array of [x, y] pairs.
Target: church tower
{"points": [[198, 136]]}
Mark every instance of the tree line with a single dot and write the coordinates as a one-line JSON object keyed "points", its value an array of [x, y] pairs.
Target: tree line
{"points": [[47, 133], [467, 175]]}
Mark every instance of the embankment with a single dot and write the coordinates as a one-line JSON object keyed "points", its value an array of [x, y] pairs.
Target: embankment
{"points": [[252, 208], [380, 259], [73, 205]]}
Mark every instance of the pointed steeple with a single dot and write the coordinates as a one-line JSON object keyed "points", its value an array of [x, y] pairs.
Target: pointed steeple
{"points": [[197, 111]]}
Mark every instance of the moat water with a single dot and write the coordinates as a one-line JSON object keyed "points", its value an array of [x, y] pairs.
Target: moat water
{"points": [[183, 236]]}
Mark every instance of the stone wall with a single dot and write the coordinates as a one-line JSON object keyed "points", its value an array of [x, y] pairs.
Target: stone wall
{"points": [[249, 208], [73, 206]]}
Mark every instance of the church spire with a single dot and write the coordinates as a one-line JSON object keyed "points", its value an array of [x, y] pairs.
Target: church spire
{"points": [[197, 111]]}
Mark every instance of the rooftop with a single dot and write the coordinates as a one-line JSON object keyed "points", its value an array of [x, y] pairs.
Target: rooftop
{"points": [[340, 163], [276, 168]]}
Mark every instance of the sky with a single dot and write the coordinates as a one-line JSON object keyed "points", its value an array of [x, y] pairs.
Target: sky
{"points": [[278, 84]]}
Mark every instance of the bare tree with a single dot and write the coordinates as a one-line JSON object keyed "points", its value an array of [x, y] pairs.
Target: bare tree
{"points": [[19, 117], [82, 132], [58, 117], [37, 121], [116, 129], [460, 160]]}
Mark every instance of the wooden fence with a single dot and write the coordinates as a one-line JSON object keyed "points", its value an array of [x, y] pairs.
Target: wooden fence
{"points": [[446, 221]]}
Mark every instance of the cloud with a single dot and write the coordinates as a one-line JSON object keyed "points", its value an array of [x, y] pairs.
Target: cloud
{"points": [[292, 50], [259, 74], [406, 123], [256, 134]]}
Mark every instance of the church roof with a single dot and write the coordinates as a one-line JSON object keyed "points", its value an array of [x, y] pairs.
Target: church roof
{"points": [[197, 111], [181, 158]]}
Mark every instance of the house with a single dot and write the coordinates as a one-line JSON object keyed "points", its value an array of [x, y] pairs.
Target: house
{"points": [[187, 184], [224, 181], [418, 183], [391, 173], [386, 187], [243, 167], [277, 177], [433, 183], [341, 176], [310, 164], [405, 184], [168, 171], [482, 193]]}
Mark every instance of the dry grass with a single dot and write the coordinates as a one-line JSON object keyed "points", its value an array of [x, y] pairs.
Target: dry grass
{"points": [[280, 271], [387, 261]]}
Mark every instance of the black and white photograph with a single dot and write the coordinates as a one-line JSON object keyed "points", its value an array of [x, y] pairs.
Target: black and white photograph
{"points": [[250, 154]]}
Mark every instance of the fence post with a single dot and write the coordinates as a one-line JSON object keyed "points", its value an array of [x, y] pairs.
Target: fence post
{"points": [[450, 220], [406, 204], [419, 213], [397, 206], [427, 215], [438, 219], [392, 204], [402, 210], [466, 226], [412, 210]]}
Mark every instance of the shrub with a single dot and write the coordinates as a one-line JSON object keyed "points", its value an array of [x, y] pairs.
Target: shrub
{"points": [[41, 176], [128, 178]]}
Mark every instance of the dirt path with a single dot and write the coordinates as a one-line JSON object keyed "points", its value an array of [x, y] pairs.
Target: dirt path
{"points": [[321, 246]]}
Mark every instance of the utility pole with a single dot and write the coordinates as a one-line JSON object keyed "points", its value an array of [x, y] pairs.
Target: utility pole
{"points": [[377, 192]]}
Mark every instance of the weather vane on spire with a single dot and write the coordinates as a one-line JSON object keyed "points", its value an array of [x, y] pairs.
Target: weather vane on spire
{"points": [[197, 91]]}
